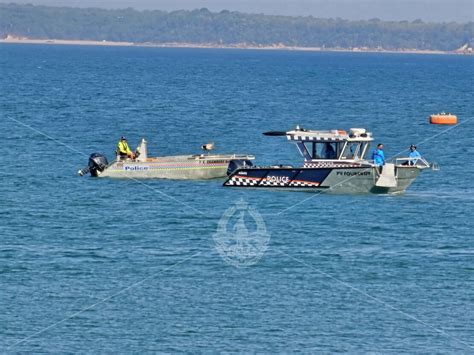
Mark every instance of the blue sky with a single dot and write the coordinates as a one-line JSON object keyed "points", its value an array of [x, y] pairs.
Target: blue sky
{"points": [[427, 10]]}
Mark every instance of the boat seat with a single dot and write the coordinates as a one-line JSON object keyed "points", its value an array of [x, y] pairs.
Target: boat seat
{"points": [[387, 177]]}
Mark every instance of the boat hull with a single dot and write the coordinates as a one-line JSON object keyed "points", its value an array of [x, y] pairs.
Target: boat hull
{"points": [[186, 167], [332, 180]]}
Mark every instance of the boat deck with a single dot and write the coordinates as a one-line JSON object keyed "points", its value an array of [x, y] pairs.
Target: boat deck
{"points": [[196, 157]]}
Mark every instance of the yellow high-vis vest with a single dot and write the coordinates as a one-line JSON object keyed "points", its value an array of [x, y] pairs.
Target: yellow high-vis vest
{"points": [[123, 148]]}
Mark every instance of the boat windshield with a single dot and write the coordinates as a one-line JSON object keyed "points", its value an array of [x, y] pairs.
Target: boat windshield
{"points": [[354, 150], [324, 150]]}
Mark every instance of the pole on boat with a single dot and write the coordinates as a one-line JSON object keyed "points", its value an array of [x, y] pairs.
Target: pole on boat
{"points": [[274, 133]]}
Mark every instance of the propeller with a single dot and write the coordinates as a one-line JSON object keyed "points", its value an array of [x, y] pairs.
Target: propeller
{"points": [[274, 133]]}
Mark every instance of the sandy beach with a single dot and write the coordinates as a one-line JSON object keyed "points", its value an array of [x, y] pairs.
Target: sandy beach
{"points": [[23, 40]]}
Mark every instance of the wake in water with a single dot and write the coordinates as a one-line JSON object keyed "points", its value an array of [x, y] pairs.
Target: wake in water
{"points": [[467, 195]]}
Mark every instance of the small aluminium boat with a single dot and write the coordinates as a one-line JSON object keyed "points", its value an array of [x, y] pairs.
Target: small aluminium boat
{"points": [[334, 161], [198, 166]]}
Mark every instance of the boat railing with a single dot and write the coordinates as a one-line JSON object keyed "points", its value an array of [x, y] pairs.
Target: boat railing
{"points": [[419, 162], [223, 156]]}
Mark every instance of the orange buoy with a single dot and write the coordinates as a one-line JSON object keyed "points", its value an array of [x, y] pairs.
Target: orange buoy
{"points": [[443, 118]]}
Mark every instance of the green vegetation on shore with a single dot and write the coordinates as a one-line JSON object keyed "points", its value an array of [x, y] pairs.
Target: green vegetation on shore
{"points": [[226, 28]]}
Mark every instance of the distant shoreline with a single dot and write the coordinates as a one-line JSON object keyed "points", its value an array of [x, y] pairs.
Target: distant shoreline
{"points": [[219, 46]]}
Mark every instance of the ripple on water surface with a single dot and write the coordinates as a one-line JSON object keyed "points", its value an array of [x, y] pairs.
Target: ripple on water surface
{"points": [[341, 273]]}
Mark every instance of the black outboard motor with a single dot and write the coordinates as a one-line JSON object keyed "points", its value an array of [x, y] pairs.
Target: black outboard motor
{"points": [[238, 164], [97, 164]]}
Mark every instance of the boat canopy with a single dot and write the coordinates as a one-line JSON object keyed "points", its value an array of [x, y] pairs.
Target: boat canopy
{"points": [[331, 145]]}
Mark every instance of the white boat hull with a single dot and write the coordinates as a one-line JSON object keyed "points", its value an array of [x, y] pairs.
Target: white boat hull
{"points": [[183, 167]]}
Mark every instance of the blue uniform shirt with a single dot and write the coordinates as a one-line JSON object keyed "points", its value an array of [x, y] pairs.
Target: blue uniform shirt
{"points": [[379, 157], [414, 154]]}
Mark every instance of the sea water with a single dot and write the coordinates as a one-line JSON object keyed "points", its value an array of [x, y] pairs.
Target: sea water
{"points": [[107, 265]]}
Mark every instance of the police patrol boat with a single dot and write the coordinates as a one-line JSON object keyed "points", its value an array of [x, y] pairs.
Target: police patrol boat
{"points": [[334, 161], [198, 166]]}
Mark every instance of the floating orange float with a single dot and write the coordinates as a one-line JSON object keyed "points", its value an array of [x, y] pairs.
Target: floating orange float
{"points": [[443, 118]]}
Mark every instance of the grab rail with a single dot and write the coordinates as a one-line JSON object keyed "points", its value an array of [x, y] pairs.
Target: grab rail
{"points": [[419, 162]]}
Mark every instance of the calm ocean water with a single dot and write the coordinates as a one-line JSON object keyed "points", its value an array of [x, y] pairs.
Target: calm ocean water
{"points": [[122, 266]]}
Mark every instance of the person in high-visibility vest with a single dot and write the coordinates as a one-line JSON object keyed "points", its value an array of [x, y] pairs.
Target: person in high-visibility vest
{"points": [[124, 150]]}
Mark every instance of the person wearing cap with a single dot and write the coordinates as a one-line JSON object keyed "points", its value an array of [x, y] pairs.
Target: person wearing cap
{"points": [[378, 155], [124, 150], [414, 155]]}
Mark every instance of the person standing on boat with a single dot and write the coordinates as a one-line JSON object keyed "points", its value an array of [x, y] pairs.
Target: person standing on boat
{"points": [[379, 156], [328, 151], [414, 155], [123, 150]]}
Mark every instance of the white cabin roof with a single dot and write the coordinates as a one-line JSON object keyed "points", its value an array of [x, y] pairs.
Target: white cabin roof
{"points": [[335, 135]]}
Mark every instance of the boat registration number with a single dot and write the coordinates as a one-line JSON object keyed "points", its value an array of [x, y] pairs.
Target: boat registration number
{"points": [[353, 173]]}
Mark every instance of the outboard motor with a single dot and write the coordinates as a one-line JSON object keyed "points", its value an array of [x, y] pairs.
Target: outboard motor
{"points": [[97, 164], [238, 164]]}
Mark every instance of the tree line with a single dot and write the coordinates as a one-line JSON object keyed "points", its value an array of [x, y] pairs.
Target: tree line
{"points": [[227, 28]]}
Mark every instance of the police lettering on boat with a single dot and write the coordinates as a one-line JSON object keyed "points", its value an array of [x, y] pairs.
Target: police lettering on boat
{"points": [[197, 166], [334, 161]]}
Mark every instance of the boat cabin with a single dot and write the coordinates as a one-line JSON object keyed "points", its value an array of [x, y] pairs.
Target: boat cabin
{"points": [[331, 145]]}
